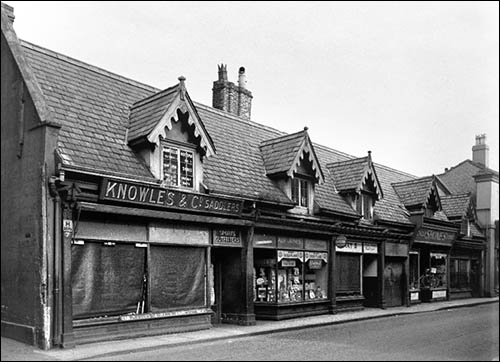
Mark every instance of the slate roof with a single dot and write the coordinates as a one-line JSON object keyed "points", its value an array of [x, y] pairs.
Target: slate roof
{"points": [[348, 174], [279, 153], [459, 179], [146, 113], [93, 106], [390, 207], [455, 206], [414, 192]]}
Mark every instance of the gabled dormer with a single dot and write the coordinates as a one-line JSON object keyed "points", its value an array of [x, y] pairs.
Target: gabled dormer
{"points": [[421, 195], [356, 180], [291, 162], [167, 132], [460, 209]]}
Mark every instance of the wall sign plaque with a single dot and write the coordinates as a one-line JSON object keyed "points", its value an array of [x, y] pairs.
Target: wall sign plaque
{"points": [[227, 237]]}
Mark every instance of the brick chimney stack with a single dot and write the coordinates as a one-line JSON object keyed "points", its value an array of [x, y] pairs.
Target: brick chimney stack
{"points": [[227, 96], [480, 151]]}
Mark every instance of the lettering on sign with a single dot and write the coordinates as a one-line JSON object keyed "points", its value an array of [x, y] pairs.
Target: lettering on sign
{"points": [[350, 247], [288, 263], [154, 315], [227, 237], [167, 198], [290, 255], [67, 227], [370, 248], [316, 255], [427, 234], [439, 294]]}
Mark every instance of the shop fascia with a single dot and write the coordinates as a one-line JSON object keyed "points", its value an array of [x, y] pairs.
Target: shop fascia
{"points": [[160, 197]]}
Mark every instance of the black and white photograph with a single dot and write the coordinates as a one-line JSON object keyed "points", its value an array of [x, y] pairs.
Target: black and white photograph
{"points": [[250, 181]]}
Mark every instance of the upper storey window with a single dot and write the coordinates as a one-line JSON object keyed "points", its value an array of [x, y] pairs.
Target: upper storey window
{"points": [[300, 192], [364, 205], [178, 167]]}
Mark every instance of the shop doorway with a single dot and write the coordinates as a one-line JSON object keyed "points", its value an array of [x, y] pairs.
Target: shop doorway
{"points": [[393, 282], [225, 294], [370, 280]]}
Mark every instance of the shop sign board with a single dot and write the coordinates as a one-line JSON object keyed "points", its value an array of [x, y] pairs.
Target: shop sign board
{"points": [[227, 237], [67, 227], [135, 193], [287, 254], [369, 248], [439, 294], [414, 296], [316, 255], [350, 247], [435, 235]]}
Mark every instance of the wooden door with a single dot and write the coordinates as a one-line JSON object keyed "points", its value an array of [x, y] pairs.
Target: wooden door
{"points": [[393, 278]]}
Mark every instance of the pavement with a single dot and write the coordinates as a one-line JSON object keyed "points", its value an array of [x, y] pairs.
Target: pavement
{"points": [[17, 351]]}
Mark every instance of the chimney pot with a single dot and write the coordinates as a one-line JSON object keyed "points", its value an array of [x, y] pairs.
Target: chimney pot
{"points": [[242, 81], [480, 151]]}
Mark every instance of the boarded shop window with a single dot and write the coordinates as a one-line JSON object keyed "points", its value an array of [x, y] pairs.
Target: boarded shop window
{"points": [[106, 280], [348, 275], [177, 276]]}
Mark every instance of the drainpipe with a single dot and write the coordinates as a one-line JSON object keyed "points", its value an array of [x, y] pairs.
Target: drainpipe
{"points": [[56, 337]]}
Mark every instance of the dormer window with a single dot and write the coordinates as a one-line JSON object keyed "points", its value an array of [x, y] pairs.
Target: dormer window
{"points": [[364, 205], [300, 192], [178, 167]]}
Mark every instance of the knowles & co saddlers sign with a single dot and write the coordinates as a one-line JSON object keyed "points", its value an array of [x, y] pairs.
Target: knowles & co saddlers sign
{"points": [[167, 198]]}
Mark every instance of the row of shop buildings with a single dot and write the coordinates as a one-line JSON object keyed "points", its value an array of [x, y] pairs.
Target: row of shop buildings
{"points": [[128, 210]]}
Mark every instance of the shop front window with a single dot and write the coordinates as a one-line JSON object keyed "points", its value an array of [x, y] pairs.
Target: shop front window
{"points": [[438, 270], [290, 280], [287, 276], [460, 277], [414, 268], [348, 274]]}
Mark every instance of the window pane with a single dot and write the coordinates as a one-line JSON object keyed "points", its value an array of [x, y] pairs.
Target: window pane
{"points": [[414, 274], [348, 274], [316, 279], [295, 190], [438, 269], [304, 196], [367, 206], [186, 169], [265, 276], [170, 166], [290, 287]]}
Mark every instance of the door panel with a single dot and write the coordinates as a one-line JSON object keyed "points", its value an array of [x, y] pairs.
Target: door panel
{"points": [[393, 277]]}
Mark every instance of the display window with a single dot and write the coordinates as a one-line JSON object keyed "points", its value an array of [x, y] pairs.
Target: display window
{"points": [[348, 273], [460, 274], [288, 276], [414, 271], [438, 269]]}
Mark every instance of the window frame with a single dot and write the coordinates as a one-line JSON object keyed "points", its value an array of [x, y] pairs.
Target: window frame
{"points": [[361, 199], [179, 149], [300, 183]]}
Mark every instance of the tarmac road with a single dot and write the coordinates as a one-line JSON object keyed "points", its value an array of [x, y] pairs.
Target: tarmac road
{"points": [[469, 333]]}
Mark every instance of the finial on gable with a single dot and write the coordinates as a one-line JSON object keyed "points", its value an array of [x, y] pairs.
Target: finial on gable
{"points": [[370, 157], [306, 128], [182, 85]]}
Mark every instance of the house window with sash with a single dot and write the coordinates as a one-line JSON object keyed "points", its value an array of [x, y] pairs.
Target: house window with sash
{"points": [[300, 192], [178, 167], [364, 205]]}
